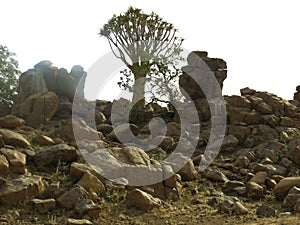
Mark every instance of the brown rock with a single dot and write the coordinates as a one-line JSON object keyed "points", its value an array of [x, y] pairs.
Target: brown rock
{"points": [[54, 154], [44, 205], [2, 144], [290, 200], [13, 138], [297, 207], [247, 91], [259, 178], [17, 160], [44, 140], [294, 155], [4, 166], [283, 187], [11, 121], [91, 183], [79, 222], [77, 170], [216, 176], [21, 190], [69, 199], [254, 190], [265, 211], [87, 207], [142, 200]]}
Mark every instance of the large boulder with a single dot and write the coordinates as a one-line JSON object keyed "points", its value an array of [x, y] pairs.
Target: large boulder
{"points": [[37, 108], [199, 62]]}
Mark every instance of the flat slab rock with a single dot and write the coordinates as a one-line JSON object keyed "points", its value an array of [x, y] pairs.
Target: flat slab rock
{"points": [[21, 190]]}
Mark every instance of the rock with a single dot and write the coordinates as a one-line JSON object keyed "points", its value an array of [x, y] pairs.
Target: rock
{"points": [[54, 154], [287, 122], [11, 121], [79, 222], [46, 105], [225, 206], [66, 84], [105, 128], [141, 200], [17, 160], [230, 141], [4, 166], [44, 140], [290, 200], [270, 184], [188, 171], [91, 183], [131, 155], [2, 144], [254, 190], [31, 82], [87, 207], [69, 199], [239, 209], [247, 91], [259, 178], [297, 207], [238, 101], [283, 187], [44, 205], [294, 155], [216, 176], [21, 190], [265, 211], [77, 170], [43, 63], [230, 186], [13, 138]]}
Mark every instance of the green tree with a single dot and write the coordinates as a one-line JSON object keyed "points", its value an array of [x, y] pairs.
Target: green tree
{"points": [[144, 42], [9, 73]]}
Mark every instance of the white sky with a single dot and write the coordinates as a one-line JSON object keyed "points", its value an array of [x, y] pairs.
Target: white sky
{"points": [[259, 39]]}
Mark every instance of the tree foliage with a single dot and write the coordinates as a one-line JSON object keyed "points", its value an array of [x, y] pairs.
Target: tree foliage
{"points": [[9, 73], [146, 44]]}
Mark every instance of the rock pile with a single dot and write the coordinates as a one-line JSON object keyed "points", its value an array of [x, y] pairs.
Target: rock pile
{"points": [[46, 90], [43, 168]]}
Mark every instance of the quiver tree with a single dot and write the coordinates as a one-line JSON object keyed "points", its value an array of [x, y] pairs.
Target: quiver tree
{"points": [[142, 41]]}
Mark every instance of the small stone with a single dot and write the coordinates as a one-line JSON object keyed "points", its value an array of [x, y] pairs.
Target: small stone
{"points": [[247, 91], [87, 206], [44, 206], [271, 184], [239, 209], [91, 183], [69, 199], [254, 190], [17, 160], [259, 177], [44, 140], [79, 222], [142, 200], [265, 211], [4, 166], [216, 176], [297, 206], [290, 200]]}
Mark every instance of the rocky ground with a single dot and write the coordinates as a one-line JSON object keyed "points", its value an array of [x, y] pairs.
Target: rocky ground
{"points": [[45, 179]]}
